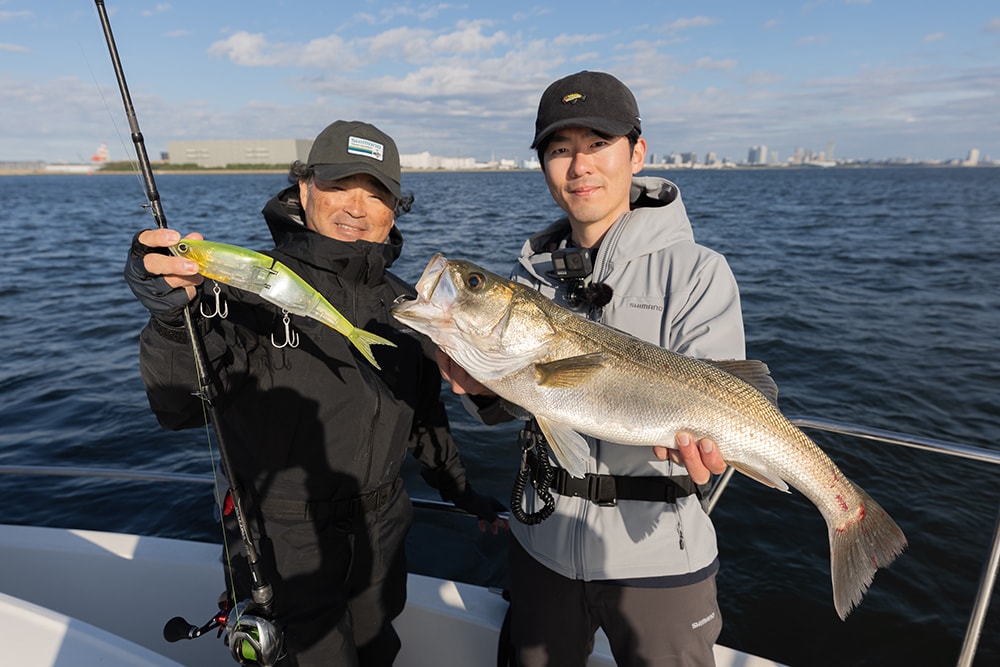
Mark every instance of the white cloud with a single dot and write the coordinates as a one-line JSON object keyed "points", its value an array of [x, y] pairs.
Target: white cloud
{"points": [[13, 48], [244, 48], [413, 45], [694, 22], [469, 38], [160, 8], [933, 37], [713, 64], [330, 51], [10, 16], [409, 44]]}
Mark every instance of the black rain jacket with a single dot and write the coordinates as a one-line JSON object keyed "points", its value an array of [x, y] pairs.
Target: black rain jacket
{"points": [[315, 422]]}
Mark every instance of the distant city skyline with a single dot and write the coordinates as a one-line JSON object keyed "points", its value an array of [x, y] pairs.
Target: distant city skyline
{"points": [[758, 154], [883, 79]]}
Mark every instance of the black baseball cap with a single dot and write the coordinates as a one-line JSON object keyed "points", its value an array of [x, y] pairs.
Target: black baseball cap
{"points": [[587, 99], [346, 148]]}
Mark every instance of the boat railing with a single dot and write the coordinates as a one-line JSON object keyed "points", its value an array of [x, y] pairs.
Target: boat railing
{"points": [[987, 576]]}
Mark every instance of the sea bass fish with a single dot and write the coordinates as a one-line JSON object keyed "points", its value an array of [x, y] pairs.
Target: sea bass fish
{"points": [[580, 377], [273, 281]]}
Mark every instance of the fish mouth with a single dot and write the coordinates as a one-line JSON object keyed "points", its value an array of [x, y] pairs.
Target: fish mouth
{"points": [[433, 293], [428, 283]]}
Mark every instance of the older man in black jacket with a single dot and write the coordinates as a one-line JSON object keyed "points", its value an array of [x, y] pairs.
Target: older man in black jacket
{"points": [[319, 435]]}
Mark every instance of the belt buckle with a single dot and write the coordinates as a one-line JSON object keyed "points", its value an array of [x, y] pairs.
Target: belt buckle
{"points": [[601, 490]]}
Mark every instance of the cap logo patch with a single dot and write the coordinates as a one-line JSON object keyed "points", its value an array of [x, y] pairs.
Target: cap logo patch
{"points": [[573, 98], [365, 147]]}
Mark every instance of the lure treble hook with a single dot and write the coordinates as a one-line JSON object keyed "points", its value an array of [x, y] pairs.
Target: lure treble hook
{"points": [[221, 305], [291, 337]]}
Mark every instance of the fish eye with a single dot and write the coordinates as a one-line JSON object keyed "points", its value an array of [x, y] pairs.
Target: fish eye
{"points": [[183, 247], [476, 281]]}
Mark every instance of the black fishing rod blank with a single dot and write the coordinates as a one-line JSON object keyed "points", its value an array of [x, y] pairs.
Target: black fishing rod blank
{"points": [[261, 589]]}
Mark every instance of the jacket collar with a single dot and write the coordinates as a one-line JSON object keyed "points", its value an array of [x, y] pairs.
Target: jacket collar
{"points": [[657, 219]]}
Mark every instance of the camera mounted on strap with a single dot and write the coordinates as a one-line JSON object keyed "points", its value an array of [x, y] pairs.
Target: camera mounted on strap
{"points": [[573, 268]]}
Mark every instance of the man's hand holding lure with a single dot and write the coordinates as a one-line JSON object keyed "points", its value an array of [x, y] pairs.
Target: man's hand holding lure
{"points": [[274, 282]]}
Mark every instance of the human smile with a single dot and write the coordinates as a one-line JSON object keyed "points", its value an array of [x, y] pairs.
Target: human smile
{"points": [[349, 228], [583, 190]]}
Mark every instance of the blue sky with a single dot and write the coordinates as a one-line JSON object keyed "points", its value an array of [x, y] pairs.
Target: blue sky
{"points": [[878, 78]]}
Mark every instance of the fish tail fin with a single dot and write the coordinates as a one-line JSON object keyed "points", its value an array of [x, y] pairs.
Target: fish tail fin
{"points": [[859, 546], [363, 340]]}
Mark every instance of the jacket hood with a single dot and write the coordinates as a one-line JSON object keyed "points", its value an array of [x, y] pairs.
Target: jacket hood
{"points": [[286, 221], [657, 219]]}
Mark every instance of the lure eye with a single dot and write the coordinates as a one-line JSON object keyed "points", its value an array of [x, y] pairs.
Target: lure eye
{"points": [[476, 281], [183, 247]]}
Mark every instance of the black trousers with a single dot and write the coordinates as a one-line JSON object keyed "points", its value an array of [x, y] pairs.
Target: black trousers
{"points": [[338, 583]]}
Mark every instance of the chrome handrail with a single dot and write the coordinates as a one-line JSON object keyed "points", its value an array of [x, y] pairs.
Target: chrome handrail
{"points": [[987, 577]]}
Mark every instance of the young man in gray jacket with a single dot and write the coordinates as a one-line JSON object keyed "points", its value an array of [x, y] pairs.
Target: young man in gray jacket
{"points": [[630, 548]]}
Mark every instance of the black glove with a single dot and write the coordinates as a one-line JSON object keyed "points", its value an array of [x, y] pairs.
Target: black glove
{"points": [[164, 302], [484, 507]]}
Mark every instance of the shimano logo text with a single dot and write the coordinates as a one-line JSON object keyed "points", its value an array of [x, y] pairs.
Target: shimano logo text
{"points": [[707, 619], [646, 306]]}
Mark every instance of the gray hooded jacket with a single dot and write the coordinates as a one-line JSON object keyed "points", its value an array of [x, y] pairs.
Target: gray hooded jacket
{"points": [[670, 291]]}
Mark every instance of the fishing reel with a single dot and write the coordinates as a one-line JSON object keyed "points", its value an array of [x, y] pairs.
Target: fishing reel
{"points": [[252, 639]]}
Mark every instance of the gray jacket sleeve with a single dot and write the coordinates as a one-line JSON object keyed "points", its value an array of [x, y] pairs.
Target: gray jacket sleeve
{"points": [[707, 321]]}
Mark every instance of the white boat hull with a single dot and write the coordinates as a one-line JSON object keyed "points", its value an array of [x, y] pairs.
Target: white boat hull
{"points": [[80, 598]]}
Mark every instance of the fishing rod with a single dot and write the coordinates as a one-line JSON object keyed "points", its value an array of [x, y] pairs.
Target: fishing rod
{"points": [[262, 593]]}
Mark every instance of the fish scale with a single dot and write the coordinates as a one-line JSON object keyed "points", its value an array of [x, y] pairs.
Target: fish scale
{"points": [[579, 377]]}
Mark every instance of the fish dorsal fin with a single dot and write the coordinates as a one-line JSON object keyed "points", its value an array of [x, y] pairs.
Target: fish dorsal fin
{"points": [[569, 447], [753, 372], [570, 372], [764, 478]]}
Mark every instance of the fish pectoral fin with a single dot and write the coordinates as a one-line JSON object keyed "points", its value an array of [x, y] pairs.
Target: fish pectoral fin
{"points": [[764, 478], [753, 372], [570, 372], [569, 447]]}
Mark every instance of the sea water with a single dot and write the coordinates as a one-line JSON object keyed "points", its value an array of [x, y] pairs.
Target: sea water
{"points": [[870, 292]]}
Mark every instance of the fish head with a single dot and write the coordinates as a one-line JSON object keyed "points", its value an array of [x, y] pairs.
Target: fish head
{"points": [[488, 324]]}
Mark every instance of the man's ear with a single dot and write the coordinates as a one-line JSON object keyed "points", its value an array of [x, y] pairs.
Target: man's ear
{"points": [[303, 192], [638, 155]]}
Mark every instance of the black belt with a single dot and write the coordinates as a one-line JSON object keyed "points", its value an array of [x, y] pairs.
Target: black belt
{"points": [[608, 489], [332, 510]]}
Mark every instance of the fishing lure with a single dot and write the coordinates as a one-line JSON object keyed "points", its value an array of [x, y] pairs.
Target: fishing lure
{"points": [[274, 282]]}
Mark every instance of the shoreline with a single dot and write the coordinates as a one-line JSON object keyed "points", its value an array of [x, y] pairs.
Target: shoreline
{"points": [[775, 168]]}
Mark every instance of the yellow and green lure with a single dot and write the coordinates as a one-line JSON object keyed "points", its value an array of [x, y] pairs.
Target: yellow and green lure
{"points": [[274, 282]]}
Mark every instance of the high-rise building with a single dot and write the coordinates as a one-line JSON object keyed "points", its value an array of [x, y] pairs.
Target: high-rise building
{"points": [[757, 155]]}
